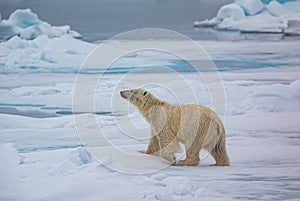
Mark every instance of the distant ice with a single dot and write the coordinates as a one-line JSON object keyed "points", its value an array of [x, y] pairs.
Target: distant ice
{"points": [[29, 43], [256, 16], [44, 53], [276, 9], [250, 7], [27, 25], [231, 10]]}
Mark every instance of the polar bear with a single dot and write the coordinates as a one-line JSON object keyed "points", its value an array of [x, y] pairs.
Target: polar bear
{"points": [[195, 126]]}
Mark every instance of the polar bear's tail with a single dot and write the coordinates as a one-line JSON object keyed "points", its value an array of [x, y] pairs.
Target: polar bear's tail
{"points": [[220, 146]]}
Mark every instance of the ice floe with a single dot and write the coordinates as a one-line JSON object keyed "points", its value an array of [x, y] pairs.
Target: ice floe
{"points": [[44, 53], [255, 16], [27, 25]]}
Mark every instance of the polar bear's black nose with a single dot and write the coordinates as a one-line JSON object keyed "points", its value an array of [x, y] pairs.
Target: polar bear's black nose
{"points": [[124, 94]]}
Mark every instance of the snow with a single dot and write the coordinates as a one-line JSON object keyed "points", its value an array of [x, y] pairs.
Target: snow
{"points": [[231, 10], [251, 7], [23, 18], [276, 98], [27, 25], [44, 52], [42, 157], [270, 24], [207, 23], [257, 16], [262, 126], [293, 5], [277, 9]]}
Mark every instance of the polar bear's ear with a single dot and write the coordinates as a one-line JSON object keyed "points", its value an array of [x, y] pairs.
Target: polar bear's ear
{"points": [[144, 93]]}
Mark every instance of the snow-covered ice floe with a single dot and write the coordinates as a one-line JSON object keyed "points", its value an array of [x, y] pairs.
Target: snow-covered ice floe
{"points": [[256, 16], [27, 25], [44, 53], [45, 154]]}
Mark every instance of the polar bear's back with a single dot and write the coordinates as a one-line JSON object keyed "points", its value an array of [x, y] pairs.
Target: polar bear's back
{"points": [[199, 124]]}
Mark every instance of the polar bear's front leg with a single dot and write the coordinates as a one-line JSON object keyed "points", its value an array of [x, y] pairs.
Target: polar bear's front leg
{"points": [[167, 149], [153, 146]]}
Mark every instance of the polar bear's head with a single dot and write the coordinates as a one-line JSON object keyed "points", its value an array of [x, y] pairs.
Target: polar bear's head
{"points": [[137, 97], [150, 106], [140, 98]]}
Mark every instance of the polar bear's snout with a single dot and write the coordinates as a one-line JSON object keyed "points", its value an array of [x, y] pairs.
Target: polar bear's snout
{"points": [[126, 94]]}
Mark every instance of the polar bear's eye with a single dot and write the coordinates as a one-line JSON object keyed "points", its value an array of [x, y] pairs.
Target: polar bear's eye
{"points": [[145, 93]]}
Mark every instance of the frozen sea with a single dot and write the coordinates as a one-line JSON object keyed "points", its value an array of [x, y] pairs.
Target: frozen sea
{"points": [[42, 157]]}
